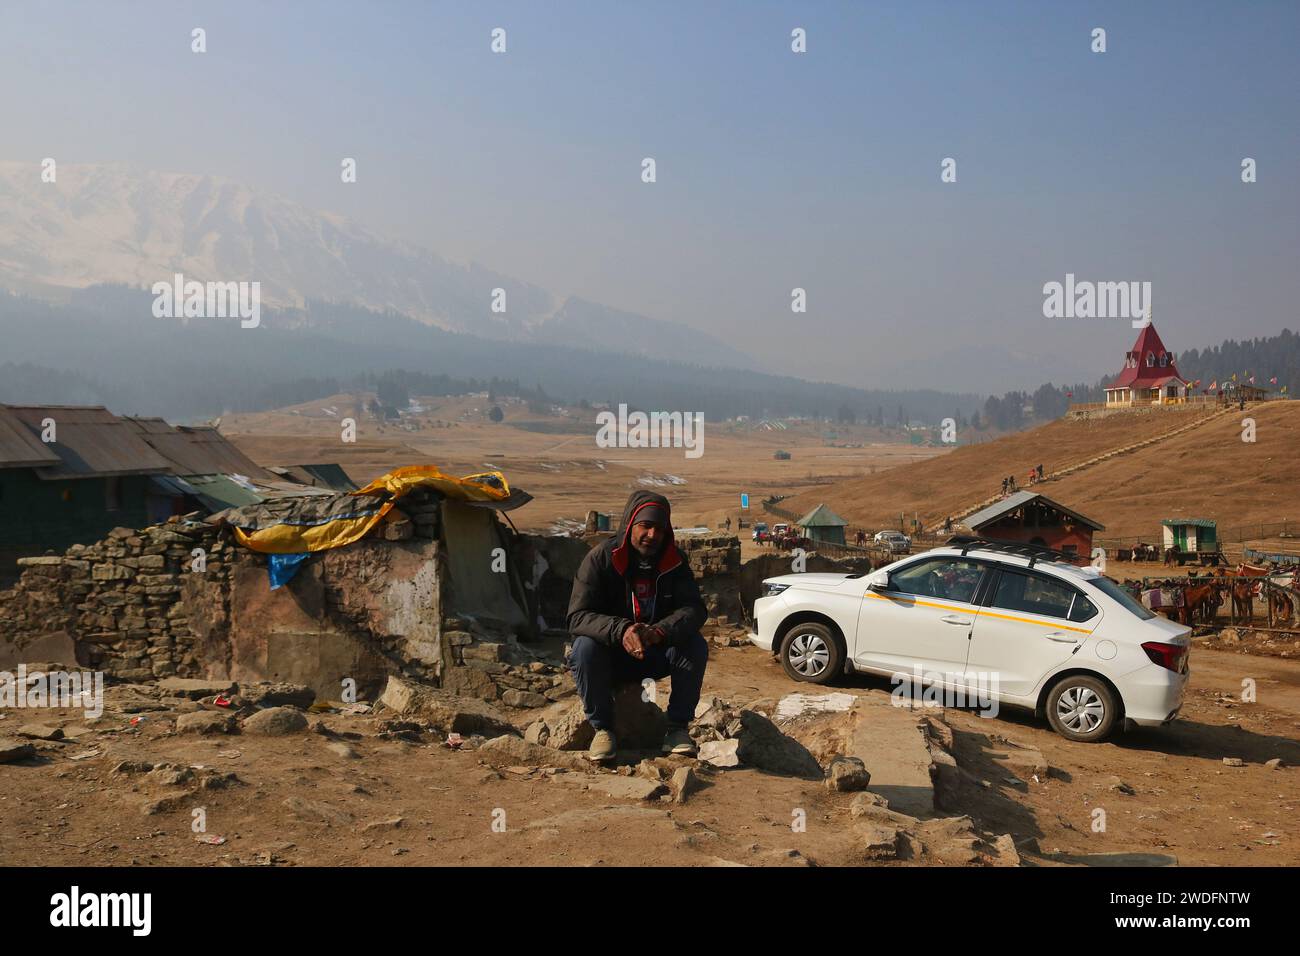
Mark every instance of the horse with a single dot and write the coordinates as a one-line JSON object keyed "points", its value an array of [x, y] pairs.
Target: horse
{"points": [[1280, 606], [1200, 602], [1243, 602]]}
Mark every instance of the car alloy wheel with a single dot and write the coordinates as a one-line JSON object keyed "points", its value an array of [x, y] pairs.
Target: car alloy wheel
{"points": [[809, 654], [812, 652], [1081, 709]]}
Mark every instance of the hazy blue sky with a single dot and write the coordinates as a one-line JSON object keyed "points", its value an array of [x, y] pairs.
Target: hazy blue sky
{"points": [[775, 170]]}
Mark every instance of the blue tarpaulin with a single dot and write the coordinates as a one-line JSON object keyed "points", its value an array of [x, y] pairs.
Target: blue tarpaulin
{"points": [[281, 568]]}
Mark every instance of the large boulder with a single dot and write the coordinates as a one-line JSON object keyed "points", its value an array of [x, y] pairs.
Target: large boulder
{"points": [[762, 745], [638, 724]]}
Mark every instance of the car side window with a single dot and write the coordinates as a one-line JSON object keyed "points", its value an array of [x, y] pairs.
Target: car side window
{"points": [[1035, 594], [953, 579], [1083, 609]]}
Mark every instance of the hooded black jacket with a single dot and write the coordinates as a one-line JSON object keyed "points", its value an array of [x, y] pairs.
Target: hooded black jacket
{"points": [[601, 604]]}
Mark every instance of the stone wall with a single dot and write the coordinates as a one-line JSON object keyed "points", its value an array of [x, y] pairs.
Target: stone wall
{"points": [[711, 554], [137, 606], [115, 604]]}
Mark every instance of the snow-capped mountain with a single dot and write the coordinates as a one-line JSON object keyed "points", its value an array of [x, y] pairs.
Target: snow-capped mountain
{"points": [[114, 224]]}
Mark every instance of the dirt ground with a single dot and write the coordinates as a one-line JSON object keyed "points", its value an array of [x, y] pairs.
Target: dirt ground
{"points": [[368, 798]]}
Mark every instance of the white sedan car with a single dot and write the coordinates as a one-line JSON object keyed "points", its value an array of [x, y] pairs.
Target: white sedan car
{"points": [[895, 541], [1061, 640]]}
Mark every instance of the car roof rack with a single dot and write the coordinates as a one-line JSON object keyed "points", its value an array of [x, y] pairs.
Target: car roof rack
{"points": [[1034, 552]]}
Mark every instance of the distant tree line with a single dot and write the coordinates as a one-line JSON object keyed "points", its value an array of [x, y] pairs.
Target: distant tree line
{"points": [[106, 348]]}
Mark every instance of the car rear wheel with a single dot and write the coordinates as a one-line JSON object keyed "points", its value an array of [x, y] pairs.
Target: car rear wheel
{"points": [[1082, 708], [811, 652]]}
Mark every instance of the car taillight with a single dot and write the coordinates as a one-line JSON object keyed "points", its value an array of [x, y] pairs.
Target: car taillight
{"points": [[1166, 655]]}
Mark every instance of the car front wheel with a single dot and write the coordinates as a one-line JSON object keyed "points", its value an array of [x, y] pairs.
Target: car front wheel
{"points": [[811, 652], [1082, 708]]}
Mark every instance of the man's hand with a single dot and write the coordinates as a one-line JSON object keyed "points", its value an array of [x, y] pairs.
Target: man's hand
{"points": [[633, 641]]}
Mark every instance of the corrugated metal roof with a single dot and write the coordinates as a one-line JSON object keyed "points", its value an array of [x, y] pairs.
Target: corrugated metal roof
{"points": [[1013, 501], [217, 492], [196, 450], [320, 475], [90, 441], [19, 448], [1197, 522], [821, 517], [173, 486]]}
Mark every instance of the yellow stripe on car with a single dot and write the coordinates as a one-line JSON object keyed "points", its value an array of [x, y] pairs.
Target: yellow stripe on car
{"points": [[982, 611]]}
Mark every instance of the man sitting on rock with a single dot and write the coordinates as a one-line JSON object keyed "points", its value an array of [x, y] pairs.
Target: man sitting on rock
{"points": [[635, 613]]}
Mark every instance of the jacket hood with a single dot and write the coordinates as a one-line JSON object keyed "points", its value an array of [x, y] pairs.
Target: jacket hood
{"points": [[621, 554]]}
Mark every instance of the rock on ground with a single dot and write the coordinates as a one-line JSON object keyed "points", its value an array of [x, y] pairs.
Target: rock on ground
{"points": [[275, 722], [508, 751], [613, 785], [684, 782], [15, 750], [720, 753], [40, 732], [879, 841], [205, 722], [763, 745], [638, 724], [444, 711], [847, 775]]}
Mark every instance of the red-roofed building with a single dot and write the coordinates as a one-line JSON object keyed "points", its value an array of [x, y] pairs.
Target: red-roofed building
{"points": [[1149, 376]]}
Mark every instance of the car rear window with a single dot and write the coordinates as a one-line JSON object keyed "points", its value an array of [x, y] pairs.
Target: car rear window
{"points": [[1083, 609], [1117, 593], [1034, 594]]}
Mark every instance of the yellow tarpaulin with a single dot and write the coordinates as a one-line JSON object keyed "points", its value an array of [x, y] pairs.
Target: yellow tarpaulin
{"points": [[485, 486], [348, 518], [296, 538]]}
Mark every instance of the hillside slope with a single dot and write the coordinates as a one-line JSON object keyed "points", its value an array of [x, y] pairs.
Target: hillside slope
{"points": [[1205, 472]]}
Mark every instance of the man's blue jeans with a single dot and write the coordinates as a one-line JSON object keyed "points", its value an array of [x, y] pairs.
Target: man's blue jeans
{"points": [[598, 669]]}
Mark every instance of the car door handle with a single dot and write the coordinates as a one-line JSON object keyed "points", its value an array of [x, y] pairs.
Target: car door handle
{"points": [[1062, 638], [954, 619]]}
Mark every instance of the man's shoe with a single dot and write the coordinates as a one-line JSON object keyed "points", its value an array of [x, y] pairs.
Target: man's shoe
{"points": [[603, 746], [678, 741]]}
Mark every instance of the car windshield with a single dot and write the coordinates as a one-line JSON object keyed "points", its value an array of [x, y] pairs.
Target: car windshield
{"points": [[1114, 591]]}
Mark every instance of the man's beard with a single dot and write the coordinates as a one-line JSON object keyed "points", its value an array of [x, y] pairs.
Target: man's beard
{"points": [[650, 553]]}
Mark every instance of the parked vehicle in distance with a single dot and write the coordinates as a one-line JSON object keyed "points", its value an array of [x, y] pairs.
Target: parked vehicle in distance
{"points": [[761, 533], [895, 541], [1061, 640]]}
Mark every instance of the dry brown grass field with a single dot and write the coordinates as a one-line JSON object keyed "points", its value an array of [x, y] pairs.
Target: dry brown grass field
{"points": [[555, 458]]}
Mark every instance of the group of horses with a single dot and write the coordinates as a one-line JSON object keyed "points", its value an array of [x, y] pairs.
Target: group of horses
{"points": [[1196, 600], [1139, 552]]}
